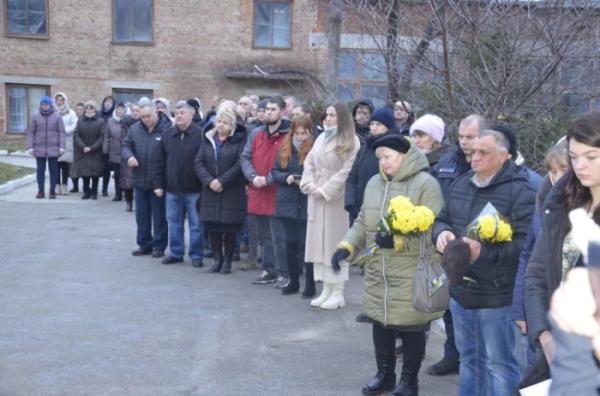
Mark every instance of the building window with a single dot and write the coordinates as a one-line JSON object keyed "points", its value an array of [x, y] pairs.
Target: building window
{"points": [[272, 24], [133, 21], [23, 101], [26, 18], [123, 95], [362, 75]]}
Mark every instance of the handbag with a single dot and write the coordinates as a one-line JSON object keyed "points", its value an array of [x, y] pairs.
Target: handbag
{"points": [[430, 285]]}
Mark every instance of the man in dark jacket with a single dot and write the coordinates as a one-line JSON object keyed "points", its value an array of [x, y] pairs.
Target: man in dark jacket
{"points": [[140, 150], [480, 303], [174, 172], [447, 170], [361, 112]]}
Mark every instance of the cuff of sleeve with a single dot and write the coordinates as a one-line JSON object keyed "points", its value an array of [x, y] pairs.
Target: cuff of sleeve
{"points": [[348, 247], [324, 194]]}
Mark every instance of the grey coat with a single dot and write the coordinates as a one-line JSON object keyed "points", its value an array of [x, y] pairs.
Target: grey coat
{"points": [[46, 135], [88, 133], [113, 136]]}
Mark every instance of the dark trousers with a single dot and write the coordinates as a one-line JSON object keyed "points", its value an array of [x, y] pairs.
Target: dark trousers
{"points": [[41, 173], [151, 219], [116, 167], [413, 349], [128, 195], [93, 189], [450, 351], [63, 172], [75, 181], [222, 244], [105, 172]]}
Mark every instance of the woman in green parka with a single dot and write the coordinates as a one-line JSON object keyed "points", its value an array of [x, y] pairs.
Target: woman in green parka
{"points": [[387, 300]]}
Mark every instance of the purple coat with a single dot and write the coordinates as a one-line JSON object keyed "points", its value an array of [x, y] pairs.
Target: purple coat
{"points": [[46, 135]]}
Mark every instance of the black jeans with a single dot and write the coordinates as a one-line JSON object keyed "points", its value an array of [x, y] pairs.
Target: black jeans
{"points": [[413, 349], [41, 172], [105, 172], [220, 240], [63, 172], [93, 189]]}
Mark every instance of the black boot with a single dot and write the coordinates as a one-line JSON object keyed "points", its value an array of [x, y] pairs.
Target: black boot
{"points": [[291, 250], [218, 263], [309, 287], [406, 389], [226, 269], [129, 206], [409, 379], [385, 379]]}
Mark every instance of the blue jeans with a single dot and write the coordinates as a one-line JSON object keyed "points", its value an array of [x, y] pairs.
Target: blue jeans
{"points": [[178, 205], [41, 172], [149, 214], [485, 339]]}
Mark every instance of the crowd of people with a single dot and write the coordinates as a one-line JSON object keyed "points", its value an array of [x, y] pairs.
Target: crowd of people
{"points": [[306, 196]]}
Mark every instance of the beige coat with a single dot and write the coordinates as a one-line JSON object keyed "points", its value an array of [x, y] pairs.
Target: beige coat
{"points": [[327, 219]]}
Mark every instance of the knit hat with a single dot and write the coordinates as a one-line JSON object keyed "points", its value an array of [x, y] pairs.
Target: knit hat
{"points": [[430, 125], [46, 100], [510, 135], [405, 105], [194, 103], [384, 115], [394, 141], [262, 104]]}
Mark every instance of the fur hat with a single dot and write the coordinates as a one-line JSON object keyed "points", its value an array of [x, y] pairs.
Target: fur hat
{"points": [[394, 141]]}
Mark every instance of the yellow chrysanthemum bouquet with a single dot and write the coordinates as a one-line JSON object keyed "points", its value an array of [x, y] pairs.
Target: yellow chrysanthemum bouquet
{"points": [[403, 219], [490, 226]]}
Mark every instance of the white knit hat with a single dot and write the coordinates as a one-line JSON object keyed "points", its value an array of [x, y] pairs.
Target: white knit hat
{"points": [[431, 125]]}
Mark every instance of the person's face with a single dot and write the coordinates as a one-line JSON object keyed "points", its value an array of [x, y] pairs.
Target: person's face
{"points": [[486, 160], [389, 160], [223, 126], [556, 171], [89, 111], [297, 112], [376, 128], [135, 112], [330, 117], [183, 117], [273, 113], [467, 134], [400, 114], [246, 105], [160, 107], [423, 141], [289, 105], [148, 117], [45, 106], [120, 111], [59, 100], [301, 134], [108, 103], [362, 115], [585, 161], [79, 110]]}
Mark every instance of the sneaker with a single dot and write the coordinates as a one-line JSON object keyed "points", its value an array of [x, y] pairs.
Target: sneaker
{"points": [[141, 252], [171, 260], [443, 367], [158, 254], [281, 282], [264, 278]]}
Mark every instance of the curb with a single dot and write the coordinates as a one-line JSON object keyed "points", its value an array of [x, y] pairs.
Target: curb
{"points": [[11, 185]]}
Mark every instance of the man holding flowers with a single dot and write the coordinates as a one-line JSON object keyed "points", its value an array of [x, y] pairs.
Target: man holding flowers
{"points": [[480, 302]]}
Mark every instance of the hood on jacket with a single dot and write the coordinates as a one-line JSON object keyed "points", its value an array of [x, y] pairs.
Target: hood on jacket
{"points": [[363, 102], [64, 108], [413, 163], [108, 113]]}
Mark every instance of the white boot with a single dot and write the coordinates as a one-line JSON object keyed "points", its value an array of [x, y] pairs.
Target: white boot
{"points": [[336, 299], [327, 289], [65, 189]]}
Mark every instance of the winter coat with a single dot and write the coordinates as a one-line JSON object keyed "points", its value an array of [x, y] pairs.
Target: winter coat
{"points": [[143, 146], [387, 296], [258, 159], [228, 206], [46, 135], [364, 167], [327, 222], [174, 169], [126, 174], [433, 157], [450, 167], [69, 118], [493, 273], [113, 138], [290, 201], [88, 133], [544, 271]]}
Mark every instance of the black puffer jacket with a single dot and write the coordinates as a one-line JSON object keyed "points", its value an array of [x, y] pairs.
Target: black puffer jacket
{"points": [[290, 202], [174, 170], [364, 167], [495, 270], [144, 146], [450, 167], [544, 271], [228, 206]]}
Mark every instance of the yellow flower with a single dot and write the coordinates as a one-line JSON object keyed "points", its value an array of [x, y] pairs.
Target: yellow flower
{"points": [[504, 233], [487, 227], [425, 218], [399, 204]]}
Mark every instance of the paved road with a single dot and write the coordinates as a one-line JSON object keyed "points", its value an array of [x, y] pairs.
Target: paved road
{"points": [[80, 316]]}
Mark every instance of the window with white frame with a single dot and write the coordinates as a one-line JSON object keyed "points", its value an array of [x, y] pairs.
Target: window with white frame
{"points": [[22, 102]]}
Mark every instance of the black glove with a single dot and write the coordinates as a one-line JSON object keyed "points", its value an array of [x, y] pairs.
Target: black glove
{"points": [[339, 255], [384, 241]]}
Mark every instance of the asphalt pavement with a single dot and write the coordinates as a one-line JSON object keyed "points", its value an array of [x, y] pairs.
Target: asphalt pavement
{"points": [[79, 315]]}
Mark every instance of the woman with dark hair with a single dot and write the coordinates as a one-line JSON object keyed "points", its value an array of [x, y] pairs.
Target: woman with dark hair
{"points": [[87, 139], [324, 181], [290, 204], [555, 252], [106, 112]]}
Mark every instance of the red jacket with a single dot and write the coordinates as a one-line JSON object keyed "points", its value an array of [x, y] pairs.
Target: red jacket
{"points": [[261, 202]]}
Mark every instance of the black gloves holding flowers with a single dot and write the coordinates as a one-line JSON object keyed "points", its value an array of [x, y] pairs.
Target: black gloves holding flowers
{"points": [[339, 255], [384, 240]]}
